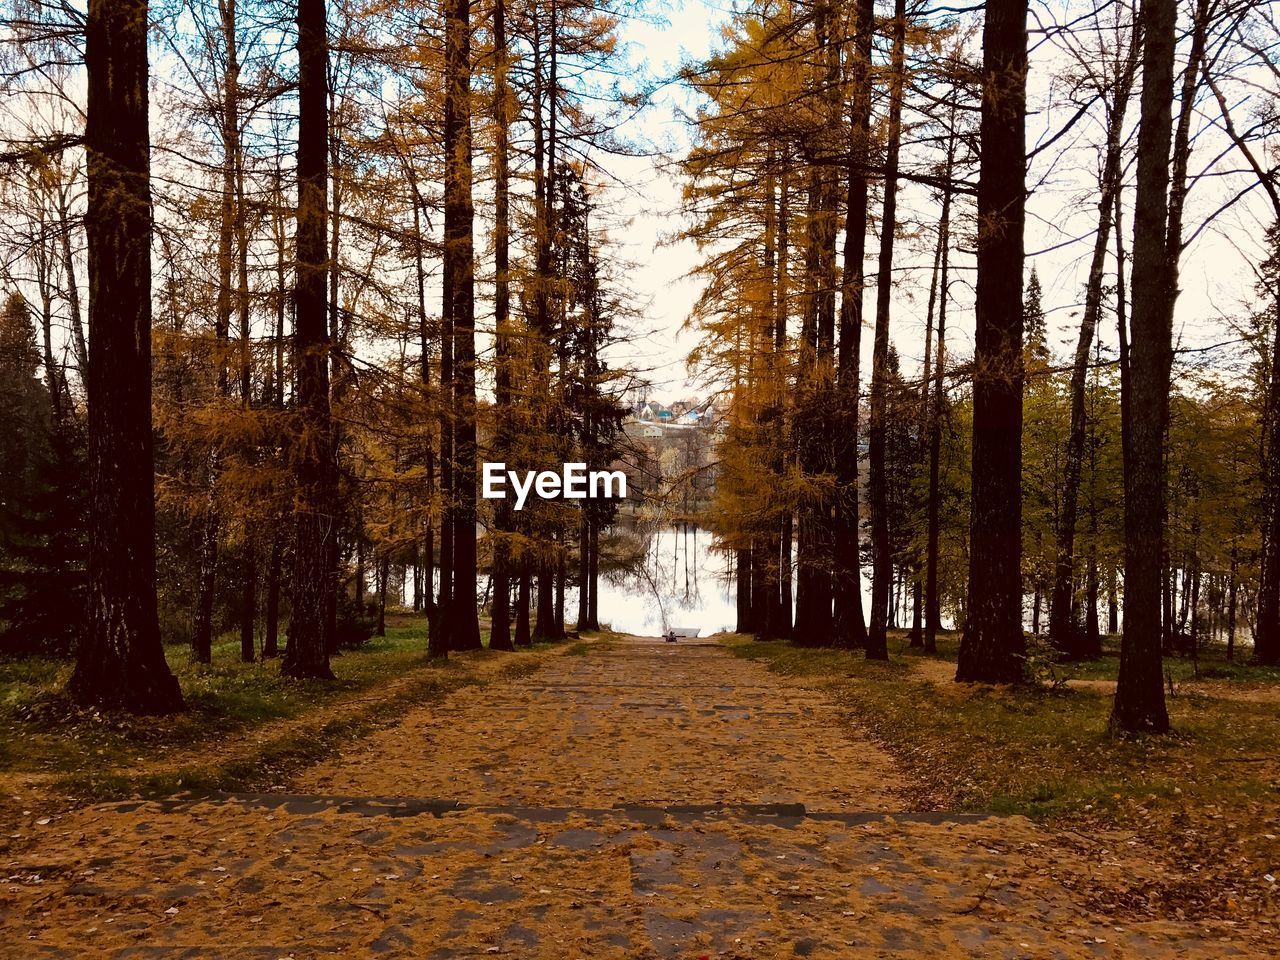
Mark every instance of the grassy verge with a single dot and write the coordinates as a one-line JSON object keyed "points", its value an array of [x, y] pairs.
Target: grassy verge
{"points": [[245, 726], [1033, 751], [1207, 797]]}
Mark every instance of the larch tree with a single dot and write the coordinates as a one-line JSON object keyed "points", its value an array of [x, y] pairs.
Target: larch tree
{"points": [[992, 645], [850, 627], [882, 559], [120, 661], [306, 654], [461, 618], [500, 635], [1139, 702]]}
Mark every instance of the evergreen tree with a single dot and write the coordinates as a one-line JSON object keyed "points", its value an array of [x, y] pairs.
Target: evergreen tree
{"points": [[41, 547]]}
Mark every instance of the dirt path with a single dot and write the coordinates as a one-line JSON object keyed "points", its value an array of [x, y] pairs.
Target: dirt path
{"points": [[641, 800]]}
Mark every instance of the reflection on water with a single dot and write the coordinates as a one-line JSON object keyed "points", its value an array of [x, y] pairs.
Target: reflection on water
{"points": [[674, 579], [681, 583]]}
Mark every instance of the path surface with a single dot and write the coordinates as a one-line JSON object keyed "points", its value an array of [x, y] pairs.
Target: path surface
{"points": [[642, 800]]}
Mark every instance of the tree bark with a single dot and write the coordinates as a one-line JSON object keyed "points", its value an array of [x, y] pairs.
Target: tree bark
{"points": [[271, 640], [778, 611], [1266, 648], [544, 628], [248, 598], [120, 660], [459, 252], [561, 576], [1139, 703], [850, 627], [742, 576], [523, 636], [881, 551], [932, 601], [584, 570], [79, 345], [500, 609], [993, 646], [306, 653], [593, 578], [384, 573]]}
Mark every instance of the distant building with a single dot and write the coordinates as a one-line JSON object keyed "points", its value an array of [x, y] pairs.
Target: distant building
{"points": [[648, 411]]}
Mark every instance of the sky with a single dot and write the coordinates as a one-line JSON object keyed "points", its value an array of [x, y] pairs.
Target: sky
{"points": [[669, 34]]}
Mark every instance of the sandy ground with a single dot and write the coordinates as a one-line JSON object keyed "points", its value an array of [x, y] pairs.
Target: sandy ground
{"points": [[642, 800]]}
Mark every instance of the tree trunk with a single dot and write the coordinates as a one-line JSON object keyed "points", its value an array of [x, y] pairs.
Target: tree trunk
{"points": [[742, 575], [916, 635], [384, 573], [778, 620], [271, 641], [757, 560], [522, 634], [79, 345], [120, 660], [593, 579], [850, 627], [306, 652], [1092, 634], [459, 252], [358, 588], [1139, 703], [1231, 605], [561, 573], [881, 551], [584, 570], [500, 610], [544, 627], [813, 623], [1266, 648], [206, 577], [248, 598], [932, 601], [206, 589], [441, 631], [993, 646]]}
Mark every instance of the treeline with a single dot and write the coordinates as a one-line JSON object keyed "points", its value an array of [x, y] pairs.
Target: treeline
{"points": [[855, 162], [335, 255]]}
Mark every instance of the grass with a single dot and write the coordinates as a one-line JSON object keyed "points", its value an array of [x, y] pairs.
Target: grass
{"points": [[1039, 752], [1207, 796], [1211, 663], [89, 754]]}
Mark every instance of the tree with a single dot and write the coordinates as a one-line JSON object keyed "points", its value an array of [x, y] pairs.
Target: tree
{"points": [[41, 509], [1139, 702], [500, 608], [992, 646], [1114, 85], [461, 617], [851, 630], [882, 559], [120, 661], [306, 653]]}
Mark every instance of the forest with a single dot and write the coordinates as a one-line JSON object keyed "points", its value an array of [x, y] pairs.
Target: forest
{"points": [[938, 344], [279, 278]]}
